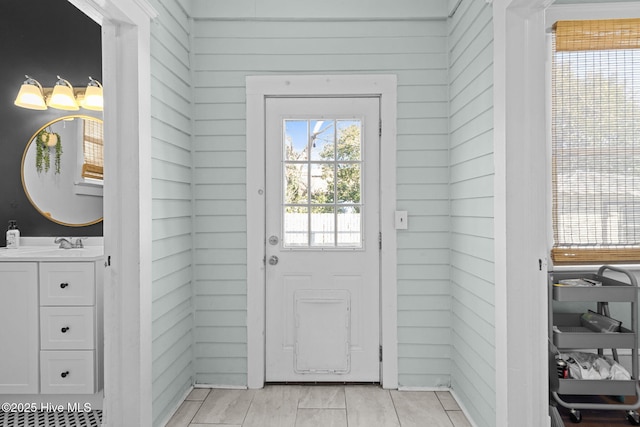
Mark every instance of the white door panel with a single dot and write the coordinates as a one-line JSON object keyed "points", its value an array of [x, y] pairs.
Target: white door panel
{"points": [[322, 227]]}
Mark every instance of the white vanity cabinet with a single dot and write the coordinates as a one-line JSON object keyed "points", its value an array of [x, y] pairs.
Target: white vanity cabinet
{"points": [[19, 327], [50, 327], [68, 328]]}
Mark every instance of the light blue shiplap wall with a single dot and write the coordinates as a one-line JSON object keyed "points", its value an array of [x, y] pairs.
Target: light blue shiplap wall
{"points": [[172, 310], [225, 52], [472, 266]]}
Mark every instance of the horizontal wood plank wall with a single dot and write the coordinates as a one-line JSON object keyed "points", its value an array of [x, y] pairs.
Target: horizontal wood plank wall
{"points": [[172, 309], [472, 266], [226, 51]]}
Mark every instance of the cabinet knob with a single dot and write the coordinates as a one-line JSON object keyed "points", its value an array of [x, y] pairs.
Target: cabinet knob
{"points": [[63, 285], [64, 374], [64, 330]]}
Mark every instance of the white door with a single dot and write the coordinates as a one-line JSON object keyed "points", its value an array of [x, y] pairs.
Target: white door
{"points": [[322, 248]]}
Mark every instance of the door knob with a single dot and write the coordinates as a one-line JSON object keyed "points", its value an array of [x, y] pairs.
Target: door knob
{"points": [[273, 260]]}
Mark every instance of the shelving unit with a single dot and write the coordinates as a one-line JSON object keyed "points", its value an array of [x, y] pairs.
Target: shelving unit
{"points": [[573, 336]]}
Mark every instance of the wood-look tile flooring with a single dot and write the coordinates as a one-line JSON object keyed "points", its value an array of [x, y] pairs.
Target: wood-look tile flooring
{"points": [[318, 406]]}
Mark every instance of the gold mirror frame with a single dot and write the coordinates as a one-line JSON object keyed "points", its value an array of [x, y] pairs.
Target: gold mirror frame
{"points": [[26, 167]]}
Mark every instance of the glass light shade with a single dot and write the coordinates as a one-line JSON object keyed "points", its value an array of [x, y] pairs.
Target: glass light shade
{"points": [[62, 97], [93, 98], [30, 96]]}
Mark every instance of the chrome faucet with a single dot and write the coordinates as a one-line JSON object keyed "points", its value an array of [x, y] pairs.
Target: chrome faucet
{"points": [[65, 243]]}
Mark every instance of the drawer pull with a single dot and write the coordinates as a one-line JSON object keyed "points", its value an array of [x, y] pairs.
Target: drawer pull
{"points": [[64, 330], [63, 285], [64, 374]]}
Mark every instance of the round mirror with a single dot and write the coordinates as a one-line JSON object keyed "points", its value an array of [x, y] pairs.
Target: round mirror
{"points": [[62, 170]]}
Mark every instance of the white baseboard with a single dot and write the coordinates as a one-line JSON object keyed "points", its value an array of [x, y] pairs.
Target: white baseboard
{"points": [[176, 407], [453, 394], [230, 387], [463, 409], [439, 388]]}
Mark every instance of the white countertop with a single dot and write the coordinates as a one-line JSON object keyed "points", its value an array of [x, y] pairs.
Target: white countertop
{"points": [[43, 249]]}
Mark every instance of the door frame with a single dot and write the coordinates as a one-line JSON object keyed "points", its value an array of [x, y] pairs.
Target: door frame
{"points": [[258, 88], [126, 67]]}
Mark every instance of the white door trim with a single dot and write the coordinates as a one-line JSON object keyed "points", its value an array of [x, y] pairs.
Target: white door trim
{"points": [[126, 59], [521, 203], [522, 395], [260, 87]]}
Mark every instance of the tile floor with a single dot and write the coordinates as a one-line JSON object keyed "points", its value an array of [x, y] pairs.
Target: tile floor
{"points": [[318, 406]]}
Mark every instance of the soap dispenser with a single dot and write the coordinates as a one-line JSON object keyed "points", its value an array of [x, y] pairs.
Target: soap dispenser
{"points": [[13, 235]]}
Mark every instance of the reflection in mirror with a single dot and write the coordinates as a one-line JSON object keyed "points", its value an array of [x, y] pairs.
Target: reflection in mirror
{"points": [[68, 192]]}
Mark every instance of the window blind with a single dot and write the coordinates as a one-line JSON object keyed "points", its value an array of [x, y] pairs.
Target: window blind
{"points": [[93, 166], [601, 34], [596, 141]]}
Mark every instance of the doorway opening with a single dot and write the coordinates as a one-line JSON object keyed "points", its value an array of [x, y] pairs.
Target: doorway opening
{"points": [[126, 34], [325, 302]]}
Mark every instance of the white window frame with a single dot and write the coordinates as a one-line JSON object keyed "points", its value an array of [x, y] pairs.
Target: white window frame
{"points": [[260, 87]]}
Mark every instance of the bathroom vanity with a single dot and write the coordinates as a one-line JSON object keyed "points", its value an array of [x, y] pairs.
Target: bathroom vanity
{"points": [[51, 325]]}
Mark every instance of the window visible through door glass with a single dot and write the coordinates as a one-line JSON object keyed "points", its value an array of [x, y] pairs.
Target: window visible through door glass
{"points": [[322, 165]]}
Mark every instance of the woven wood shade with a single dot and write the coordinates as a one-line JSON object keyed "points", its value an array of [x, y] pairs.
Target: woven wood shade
{"points": [[597, 34], [93, 150], [599, 256], [92, 171], [596, 141]]}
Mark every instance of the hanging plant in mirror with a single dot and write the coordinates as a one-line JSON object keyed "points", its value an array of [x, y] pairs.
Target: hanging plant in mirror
{"points": [[44, 141]]}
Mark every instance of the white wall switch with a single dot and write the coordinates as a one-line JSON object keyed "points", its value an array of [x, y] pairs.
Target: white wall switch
{"points": [[401, 220]]}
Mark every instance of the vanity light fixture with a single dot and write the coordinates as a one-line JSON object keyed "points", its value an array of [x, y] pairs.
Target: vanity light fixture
{"points": [[31, 95], [62, 96], [93, 99]]}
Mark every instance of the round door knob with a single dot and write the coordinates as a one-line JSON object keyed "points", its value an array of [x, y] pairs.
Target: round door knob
{"points": [[64, 374], [64, 330], [63, 285], [273, 260]]}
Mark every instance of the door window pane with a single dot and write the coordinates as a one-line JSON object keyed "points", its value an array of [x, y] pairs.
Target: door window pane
{"points": [[348, 188], [349, 144], [296, 227], [322, 196], [349, 221], [296, 178], [322, 178], [296, 140], [322, 139], [322, 226]]}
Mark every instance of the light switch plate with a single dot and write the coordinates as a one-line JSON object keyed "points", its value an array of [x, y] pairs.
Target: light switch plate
{"points": [[401, 220]]}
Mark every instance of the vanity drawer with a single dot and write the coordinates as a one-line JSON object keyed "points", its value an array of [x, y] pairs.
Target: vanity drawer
{"points": [[67, 372], [67, 283], [67, 328]]}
